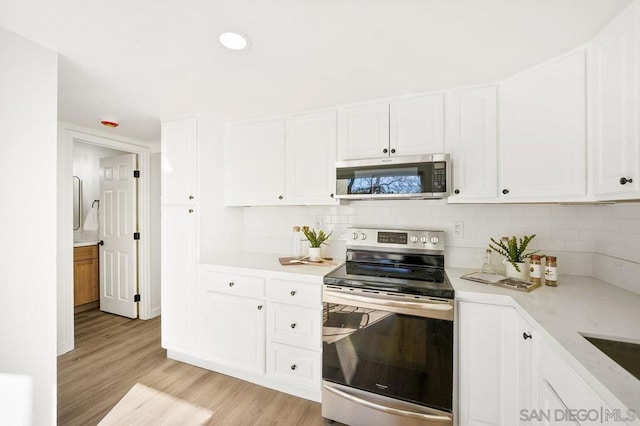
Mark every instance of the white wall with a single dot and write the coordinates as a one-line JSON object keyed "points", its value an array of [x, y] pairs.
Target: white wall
{"points": [[86, 165], [28, 122], [220, 227], [599, 240]]}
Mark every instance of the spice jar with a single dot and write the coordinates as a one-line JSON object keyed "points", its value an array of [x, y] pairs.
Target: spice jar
{"points": [[551, 271], [535, 269]]}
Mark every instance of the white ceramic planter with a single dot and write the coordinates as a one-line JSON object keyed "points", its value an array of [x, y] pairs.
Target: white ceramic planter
{"points": [[513, 273], [315, 254]]}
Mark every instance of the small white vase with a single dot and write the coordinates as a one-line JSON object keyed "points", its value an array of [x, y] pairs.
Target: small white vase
{"points": [[315, 254], [513, 273]]}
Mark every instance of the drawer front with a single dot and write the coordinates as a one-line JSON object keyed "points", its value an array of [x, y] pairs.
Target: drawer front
{"points": [[295, 292], [295, 325], [299, 366], [229, 283], [85, 253], [566, 383]]}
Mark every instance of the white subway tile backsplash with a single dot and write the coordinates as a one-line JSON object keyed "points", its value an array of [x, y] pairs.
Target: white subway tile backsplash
{"points": [[574, 232]]}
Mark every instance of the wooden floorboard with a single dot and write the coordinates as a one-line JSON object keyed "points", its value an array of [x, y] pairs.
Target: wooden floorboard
{"points": [[114, 353]]}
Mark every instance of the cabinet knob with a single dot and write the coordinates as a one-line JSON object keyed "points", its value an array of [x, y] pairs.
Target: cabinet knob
{"points": [[191, 197], [293, 367], [101, 243], [331, 195], [457, 191], [231, 284], [384, 151], [293, 292], [624, 180], [293, 325], [505, 191], [190, 210], [393, 150], [280, 197], [259, 307], [526, 336]]}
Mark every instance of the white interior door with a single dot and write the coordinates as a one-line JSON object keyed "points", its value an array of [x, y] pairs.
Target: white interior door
{"points": [[118, 255]]}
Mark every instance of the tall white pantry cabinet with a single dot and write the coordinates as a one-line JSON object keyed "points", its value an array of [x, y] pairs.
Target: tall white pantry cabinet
{"points": [[179, 198]]}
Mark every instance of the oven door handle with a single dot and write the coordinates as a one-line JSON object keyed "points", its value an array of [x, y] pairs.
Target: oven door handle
{"points": [[429, 417], [435, 309]]}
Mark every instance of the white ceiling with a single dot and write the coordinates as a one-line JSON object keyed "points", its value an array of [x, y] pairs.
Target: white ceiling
{"points": [[144, 60]]}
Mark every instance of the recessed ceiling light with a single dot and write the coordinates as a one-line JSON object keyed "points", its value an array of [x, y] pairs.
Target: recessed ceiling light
{"points": [[234, 40]]}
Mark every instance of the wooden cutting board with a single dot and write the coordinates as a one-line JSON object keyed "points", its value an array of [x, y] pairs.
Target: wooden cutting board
{"points": [[286, 261]]}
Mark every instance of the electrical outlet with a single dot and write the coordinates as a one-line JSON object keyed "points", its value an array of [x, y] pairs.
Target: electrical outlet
{"points": [[458, 229]]}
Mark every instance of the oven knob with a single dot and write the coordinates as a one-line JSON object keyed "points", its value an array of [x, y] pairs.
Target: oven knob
{"points": [[414, 239], [355, 236], [423, 239], [363, 236], [435, 240]]}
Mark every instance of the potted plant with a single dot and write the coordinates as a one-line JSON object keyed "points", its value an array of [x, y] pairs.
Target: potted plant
{"points": [[513, 249], [316, 240]]}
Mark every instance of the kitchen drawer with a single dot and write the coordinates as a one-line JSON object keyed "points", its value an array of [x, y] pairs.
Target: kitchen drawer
{"points": [[565, 382], [230, 283], [295, 325], [85, 253], [300, 366], [295, 292]]}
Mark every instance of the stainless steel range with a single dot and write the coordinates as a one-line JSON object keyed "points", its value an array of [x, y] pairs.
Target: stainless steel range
{"points": [[388, 331]]}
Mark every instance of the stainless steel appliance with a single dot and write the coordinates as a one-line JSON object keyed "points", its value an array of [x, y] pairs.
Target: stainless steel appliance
{"points": [[408, 177], [388, 331]]}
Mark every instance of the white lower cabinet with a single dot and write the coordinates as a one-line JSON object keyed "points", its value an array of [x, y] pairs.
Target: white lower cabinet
{"points": [[262, 328], [510, 375]]}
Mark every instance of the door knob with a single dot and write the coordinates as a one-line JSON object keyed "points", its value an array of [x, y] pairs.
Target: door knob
{"points": [[624, 180]]}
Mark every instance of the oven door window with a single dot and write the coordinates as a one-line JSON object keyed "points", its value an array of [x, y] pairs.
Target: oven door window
{"points": [[400, 356]]}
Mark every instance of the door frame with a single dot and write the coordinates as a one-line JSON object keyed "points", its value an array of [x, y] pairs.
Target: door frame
{"points": [[67, 135]]}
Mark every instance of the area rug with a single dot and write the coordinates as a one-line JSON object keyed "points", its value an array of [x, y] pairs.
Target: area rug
{"points": [[143, 405]]}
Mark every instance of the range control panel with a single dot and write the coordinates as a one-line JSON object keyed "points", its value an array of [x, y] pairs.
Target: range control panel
{"points": [[395, 238]]}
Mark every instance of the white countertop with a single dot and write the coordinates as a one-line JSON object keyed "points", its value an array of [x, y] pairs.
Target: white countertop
{"points": [[269, 263], [579, 305]]}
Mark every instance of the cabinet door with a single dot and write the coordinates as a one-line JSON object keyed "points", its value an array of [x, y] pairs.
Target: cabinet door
{"points": [[363, 132], [310, 156], [543, 132], [232, 331], [487, 362], [616, 115], [255, 163], [179, 159], [472, 139], [179, 244], [417, 125]]}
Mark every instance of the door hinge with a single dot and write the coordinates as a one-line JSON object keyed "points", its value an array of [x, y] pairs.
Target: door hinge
{"points": [[136, 173], [136, 298], [136, 235]]}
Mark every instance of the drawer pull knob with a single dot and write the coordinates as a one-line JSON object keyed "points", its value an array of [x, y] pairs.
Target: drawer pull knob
{"points": [[293, 367], [231, 284], [293, 292], [293, 325], [259, 307], [526, 335]]}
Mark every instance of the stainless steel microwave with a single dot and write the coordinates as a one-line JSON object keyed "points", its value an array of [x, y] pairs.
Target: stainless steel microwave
{"points": [[408, 177]]}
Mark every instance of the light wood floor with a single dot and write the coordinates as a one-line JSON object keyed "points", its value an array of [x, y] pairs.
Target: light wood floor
{"points": [[113, 353]]}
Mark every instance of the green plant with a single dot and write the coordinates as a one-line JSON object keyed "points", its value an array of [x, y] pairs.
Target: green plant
{"points": [[514, 249], [316, 239]]}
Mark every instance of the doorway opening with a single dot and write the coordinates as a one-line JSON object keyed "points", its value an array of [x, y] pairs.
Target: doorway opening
{"points": [[131, 270]]}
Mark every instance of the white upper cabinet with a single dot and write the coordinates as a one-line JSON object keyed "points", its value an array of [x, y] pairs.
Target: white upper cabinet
{"points": [[179, 157], [255, 163], [472, 140], [310, 158], [417, 125], [615, 112], [363, 131], [543, 132]]}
